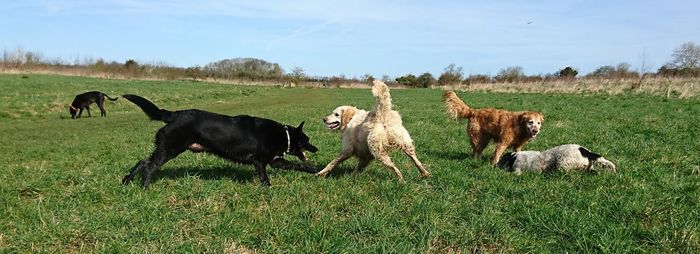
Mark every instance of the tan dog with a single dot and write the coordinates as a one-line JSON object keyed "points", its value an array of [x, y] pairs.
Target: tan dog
{"points": [[370, 135], [508, 129]]}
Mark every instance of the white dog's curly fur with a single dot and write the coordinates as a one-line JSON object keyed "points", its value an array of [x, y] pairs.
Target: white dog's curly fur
{"points": [[370, 135], [563, 157]]}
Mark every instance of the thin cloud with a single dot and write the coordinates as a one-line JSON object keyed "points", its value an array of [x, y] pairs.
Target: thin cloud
{"points": [[301, 32]]}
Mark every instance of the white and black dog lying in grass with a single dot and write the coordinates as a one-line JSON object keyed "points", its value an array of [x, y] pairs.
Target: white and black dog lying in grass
{"points": [[563, 158]]}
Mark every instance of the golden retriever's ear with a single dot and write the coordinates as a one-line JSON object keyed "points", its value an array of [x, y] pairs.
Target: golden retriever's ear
{"points": [[348, 113], [522, 118]]}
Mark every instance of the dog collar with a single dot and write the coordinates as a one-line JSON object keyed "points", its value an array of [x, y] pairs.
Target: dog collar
{"points": [[71, 106], [289, 141]]}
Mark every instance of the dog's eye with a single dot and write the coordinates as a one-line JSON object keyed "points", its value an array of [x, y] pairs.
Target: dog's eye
{"points": [[336, 114]]}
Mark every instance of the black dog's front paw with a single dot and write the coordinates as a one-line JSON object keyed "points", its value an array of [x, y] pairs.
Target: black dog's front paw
{"points": [[127, 179], [308, 168], [311, 169]]}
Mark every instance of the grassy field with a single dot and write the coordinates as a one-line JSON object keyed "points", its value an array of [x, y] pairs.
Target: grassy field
{"points": [[60, 185]]}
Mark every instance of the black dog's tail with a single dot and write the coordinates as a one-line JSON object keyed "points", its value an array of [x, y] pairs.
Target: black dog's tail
{"points": [[110, 98], [588, 154], [507, 161], [151, 110]]}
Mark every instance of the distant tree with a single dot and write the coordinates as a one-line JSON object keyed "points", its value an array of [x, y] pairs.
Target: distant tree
{"points": [[510, 75], [247, 68], [99, 65], [478, 79], [297, 75], [667, 71], [425, 80], [193, 72], [131, 68], [685, 62], [367, 78], [605, 71], [567, 72], [386, 78], [298, 72], [32, 58], [623, 67], [686, 56], [14, 58], [408, 80], [622, 70], [450, 76], [131, 64]]}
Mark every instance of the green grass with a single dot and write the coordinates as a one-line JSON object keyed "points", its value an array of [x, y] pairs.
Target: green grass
{"points": [[60, 185]]}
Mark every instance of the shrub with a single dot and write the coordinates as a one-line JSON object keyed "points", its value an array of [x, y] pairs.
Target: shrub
{"points": [[408, 80], [478, 79], [609, 72], [452, 75], [425, 80], [510, 75], [567, 73]]}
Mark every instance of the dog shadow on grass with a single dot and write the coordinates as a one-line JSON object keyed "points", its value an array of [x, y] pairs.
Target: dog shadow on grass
{"points": [[241, 174], [452, 155], [234, 172]]}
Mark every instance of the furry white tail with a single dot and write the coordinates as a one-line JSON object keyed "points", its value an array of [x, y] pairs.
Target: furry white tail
{"points": [[606, 164], [381, 93]]}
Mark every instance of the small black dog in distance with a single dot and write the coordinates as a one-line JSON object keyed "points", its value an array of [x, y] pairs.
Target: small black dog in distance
{"points": [[243, 139], [83, 101]]}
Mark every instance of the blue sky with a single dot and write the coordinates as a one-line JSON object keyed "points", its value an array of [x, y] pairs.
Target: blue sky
{"points": [[358, 37]]}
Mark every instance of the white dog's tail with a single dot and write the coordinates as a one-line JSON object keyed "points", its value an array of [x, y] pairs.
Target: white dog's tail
{"points": [[597, 158], [606, 164], [381, 93]]}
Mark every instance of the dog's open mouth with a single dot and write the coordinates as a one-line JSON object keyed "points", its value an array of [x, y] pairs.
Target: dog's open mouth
{"points": [[534, 133], [333, 125]]}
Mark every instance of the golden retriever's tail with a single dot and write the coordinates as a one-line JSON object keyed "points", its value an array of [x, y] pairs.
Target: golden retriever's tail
{"points": [[381, 92], [456, 108]]}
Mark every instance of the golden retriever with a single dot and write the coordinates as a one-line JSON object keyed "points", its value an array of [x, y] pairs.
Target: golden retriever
{"points": [[508, 129], [370, 135]]}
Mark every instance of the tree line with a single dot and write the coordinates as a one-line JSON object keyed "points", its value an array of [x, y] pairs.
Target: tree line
{"points": [[684, 62]]}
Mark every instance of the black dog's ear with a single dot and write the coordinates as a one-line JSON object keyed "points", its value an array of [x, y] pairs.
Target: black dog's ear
{"points": [[301, 125], [507, 161]]}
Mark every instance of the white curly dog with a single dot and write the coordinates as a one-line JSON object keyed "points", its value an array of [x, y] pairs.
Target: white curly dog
{"points": [[563, 157], [370, 135]]}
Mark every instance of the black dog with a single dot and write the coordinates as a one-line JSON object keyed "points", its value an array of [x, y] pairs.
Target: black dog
{"points": [[244, 139], [83, 101]]}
